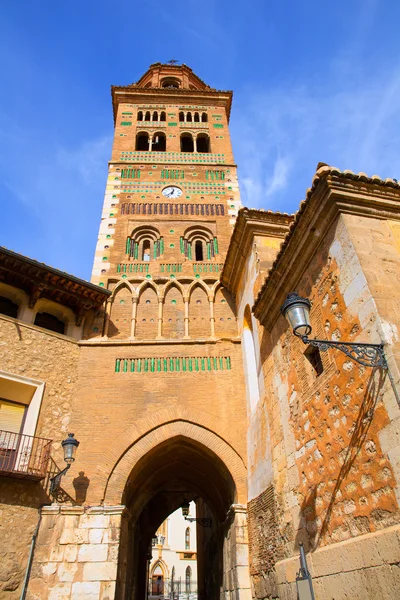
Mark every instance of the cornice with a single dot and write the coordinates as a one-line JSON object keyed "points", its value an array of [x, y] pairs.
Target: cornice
{"points": [[332, 193], [249, 223]]}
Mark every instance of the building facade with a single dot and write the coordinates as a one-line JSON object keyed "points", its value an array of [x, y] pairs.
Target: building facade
{"points": [[182, 381]]}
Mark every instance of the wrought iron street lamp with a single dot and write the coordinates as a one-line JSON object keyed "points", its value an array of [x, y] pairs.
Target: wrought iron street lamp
{"points": [[203, 521], [297, 311], [69, 446]]}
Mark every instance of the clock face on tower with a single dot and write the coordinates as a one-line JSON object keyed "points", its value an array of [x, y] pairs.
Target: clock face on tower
{"points": [[172, 192]]}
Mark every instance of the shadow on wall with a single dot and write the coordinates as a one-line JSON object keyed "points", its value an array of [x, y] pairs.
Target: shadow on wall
{"points": [[81, 484], [309, 532]]}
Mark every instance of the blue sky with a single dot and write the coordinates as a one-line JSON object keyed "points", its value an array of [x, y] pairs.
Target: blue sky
{"points": [[312, 82]]}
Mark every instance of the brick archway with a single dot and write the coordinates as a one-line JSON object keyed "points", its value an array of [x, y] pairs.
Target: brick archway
{"points": [[225, 452]]}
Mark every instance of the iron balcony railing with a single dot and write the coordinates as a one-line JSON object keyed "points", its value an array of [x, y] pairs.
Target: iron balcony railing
{"points": [[23, 455]]}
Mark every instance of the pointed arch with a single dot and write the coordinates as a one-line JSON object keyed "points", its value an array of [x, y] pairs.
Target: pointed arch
{"points": [[121, 312], [198, 283], [120, 284], [173, 282], [147, 312], [199, 311], [130, 448], [173, 326], [224, 313]]}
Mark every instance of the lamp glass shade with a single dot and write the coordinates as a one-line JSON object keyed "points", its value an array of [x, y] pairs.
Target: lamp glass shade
{"points": [[297, 312], [70, 445], [185, 508]]}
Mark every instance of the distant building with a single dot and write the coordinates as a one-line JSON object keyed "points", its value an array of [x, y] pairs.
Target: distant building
{"points": [[173, 568]]}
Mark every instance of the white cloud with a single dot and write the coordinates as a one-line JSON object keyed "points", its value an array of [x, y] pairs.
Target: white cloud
{"points": [[280, 134]]}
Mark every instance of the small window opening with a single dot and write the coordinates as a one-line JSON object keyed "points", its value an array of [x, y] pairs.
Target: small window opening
{"points": [[187, 539], [196, 118], [142, 141], [188, 575], [48, 321], [198, 250], [203, 144], [147, 116], [159, 143], [204, 118], [155, 116], [189, 117], [162, 116], [140, 115], [187, 143], [8, 307], [314, 358], [146, 251], [181, 117]]}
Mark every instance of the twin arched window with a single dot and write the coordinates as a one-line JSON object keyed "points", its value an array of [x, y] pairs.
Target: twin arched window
{"points": [[199, 244], [144, 244], [156, 143], [201, 143]]}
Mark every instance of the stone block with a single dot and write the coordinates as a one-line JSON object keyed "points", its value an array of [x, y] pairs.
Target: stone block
{"points": [[56, 553], [95, 521], [100, 571], [113, 551], [241, 578], [107, 590], [67, 571], [61, 591], [74, 536], [70, 553], [86, 590], [96, 536], [242, 555], [92, 553], [49, 569]]}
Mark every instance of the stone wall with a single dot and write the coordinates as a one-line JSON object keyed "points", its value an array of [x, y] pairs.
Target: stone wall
{"points": [[41, 355], [76, 554], [332, 480]]}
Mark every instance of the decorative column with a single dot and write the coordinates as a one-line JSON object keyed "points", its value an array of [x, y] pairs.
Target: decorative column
{"points": [[160, 317], [194, 144], [150, 142], [186, 301], [107, 319], [134, 317], [212, 318]]}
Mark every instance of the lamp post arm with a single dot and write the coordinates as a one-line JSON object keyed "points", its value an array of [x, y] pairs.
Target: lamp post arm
{"points": [[204, 522], [56, 480], [369, 355]]}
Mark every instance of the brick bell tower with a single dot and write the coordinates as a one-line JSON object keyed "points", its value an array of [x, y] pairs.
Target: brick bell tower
{"points": [[170, 205]]}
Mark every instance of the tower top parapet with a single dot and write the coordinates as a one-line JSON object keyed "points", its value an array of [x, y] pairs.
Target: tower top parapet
{"points": [[170, 80]]}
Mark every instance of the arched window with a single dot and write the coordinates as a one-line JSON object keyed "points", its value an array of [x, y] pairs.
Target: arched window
{"points": [[155, 116], [140, 115], [187, 143], [146, 251], [189, 117], [142, 141], [198, 250], [203, 143], [187, 538], [8, 307], [204, 117], [147, 116], [48, 321], [162, 116], [188, 576], [170, 82], [159, 142], [181, 117], [196, 117]]}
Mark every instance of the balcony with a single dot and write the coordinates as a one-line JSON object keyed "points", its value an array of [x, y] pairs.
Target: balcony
{"points": [[23, 456]]}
